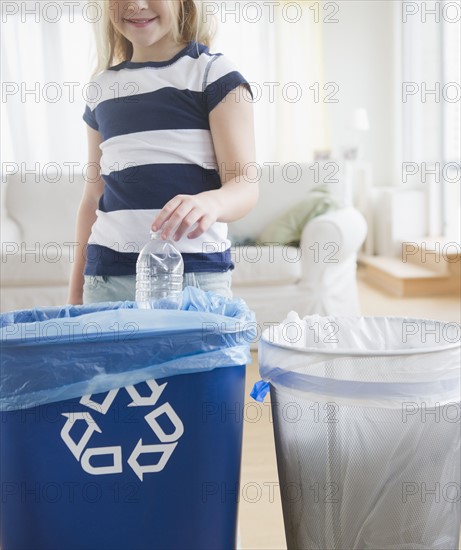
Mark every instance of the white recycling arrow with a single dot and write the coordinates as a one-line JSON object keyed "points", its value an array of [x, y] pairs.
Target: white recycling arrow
{"points": [[99, 407], [140, 470], [166, 409], [114, 468], [76, 448], [140, 401]]}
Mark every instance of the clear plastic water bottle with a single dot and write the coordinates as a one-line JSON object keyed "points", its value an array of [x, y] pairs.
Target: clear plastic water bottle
{"points": [[159, 275]]}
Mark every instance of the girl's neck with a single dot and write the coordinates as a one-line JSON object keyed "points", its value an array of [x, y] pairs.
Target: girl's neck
{"points": [[160, 51]]}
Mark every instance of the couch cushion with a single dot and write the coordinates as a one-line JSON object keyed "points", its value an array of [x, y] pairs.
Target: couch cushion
{"points": [[45, 211], [34, 265], [266, 265], [21, 297]]}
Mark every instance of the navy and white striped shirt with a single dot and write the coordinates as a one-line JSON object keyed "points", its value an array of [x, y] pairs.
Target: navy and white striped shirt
{"points": [[156, 143]]}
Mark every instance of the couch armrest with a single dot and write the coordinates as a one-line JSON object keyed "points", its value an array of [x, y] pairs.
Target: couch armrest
{"points": [[333, 237], [329, 246]]}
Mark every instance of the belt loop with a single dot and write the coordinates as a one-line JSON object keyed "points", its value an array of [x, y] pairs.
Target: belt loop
{"points": [[194, 280]]}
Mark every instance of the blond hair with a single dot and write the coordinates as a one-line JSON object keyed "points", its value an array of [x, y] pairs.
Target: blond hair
{"points": [[190, 23]]}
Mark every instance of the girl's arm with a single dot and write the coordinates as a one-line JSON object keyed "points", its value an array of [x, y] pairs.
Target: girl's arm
{"points": [[86, 216], [232, 130]]}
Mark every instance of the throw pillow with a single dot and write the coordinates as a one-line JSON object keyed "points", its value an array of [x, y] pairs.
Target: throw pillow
{"points": [[287, 229]]}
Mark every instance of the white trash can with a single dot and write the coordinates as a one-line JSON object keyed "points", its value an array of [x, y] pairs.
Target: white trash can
{"points": [[367, 430]]}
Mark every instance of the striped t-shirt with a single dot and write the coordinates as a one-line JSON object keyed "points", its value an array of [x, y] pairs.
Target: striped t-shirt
{"points": [[156, 144]]}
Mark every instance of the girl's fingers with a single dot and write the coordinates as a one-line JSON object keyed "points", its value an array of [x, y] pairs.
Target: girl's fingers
{"points": [[175, 219], [192, 217], [203, 225], [165, 213], [179, 215]]}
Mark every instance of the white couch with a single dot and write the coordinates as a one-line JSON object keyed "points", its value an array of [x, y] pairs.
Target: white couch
{"points": [[319, 276], [37, 237], [38, 224]]}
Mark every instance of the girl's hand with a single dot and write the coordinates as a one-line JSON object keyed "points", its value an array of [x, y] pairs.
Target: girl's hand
{"points": [[183, 211]]}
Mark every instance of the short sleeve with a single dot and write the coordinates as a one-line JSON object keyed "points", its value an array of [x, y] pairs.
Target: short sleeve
{"points": [[90, 118], [221, 78]]}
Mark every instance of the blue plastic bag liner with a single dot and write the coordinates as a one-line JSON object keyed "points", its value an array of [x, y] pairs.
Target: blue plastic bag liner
{"points": [[46, 358], [260, 390], [367, 430]]}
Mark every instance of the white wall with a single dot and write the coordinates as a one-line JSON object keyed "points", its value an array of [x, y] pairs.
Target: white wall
{"points": [[360, 54]]}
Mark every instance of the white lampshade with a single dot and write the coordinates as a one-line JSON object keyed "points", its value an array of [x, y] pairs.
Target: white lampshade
{"points": [[360, 120]]}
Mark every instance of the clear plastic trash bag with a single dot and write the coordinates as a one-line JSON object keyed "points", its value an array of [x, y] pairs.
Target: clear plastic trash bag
{"points": [[367, 428]]}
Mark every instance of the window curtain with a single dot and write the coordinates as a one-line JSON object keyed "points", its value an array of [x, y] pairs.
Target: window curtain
{"points": [[45, 66], [431, 110], [277, 46]]}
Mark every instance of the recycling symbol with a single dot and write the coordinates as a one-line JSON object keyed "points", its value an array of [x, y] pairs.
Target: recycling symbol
{"points": [[84, 424]]}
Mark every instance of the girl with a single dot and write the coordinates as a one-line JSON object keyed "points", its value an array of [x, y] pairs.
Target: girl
{"points": [[170, 145]]}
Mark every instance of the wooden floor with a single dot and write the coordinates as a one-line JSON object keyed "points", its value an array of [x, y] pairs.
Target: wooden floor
{"points": [[261, 522]]}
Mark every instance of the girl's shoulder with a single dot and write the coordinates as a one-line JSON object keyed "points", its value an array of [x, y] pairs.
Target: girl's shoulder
{"points": [[106, 77], [207, 56], [110, 71], [218, 65]]}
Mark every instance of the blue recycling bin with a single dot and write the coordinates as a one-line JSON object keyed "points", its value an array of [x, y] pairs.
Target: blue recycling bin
{"points": [[122, 428]]}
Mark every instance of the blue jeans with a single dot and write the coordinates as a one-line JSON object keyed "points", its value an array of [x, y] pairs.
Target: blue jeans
{"points": [[102, 288]]}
